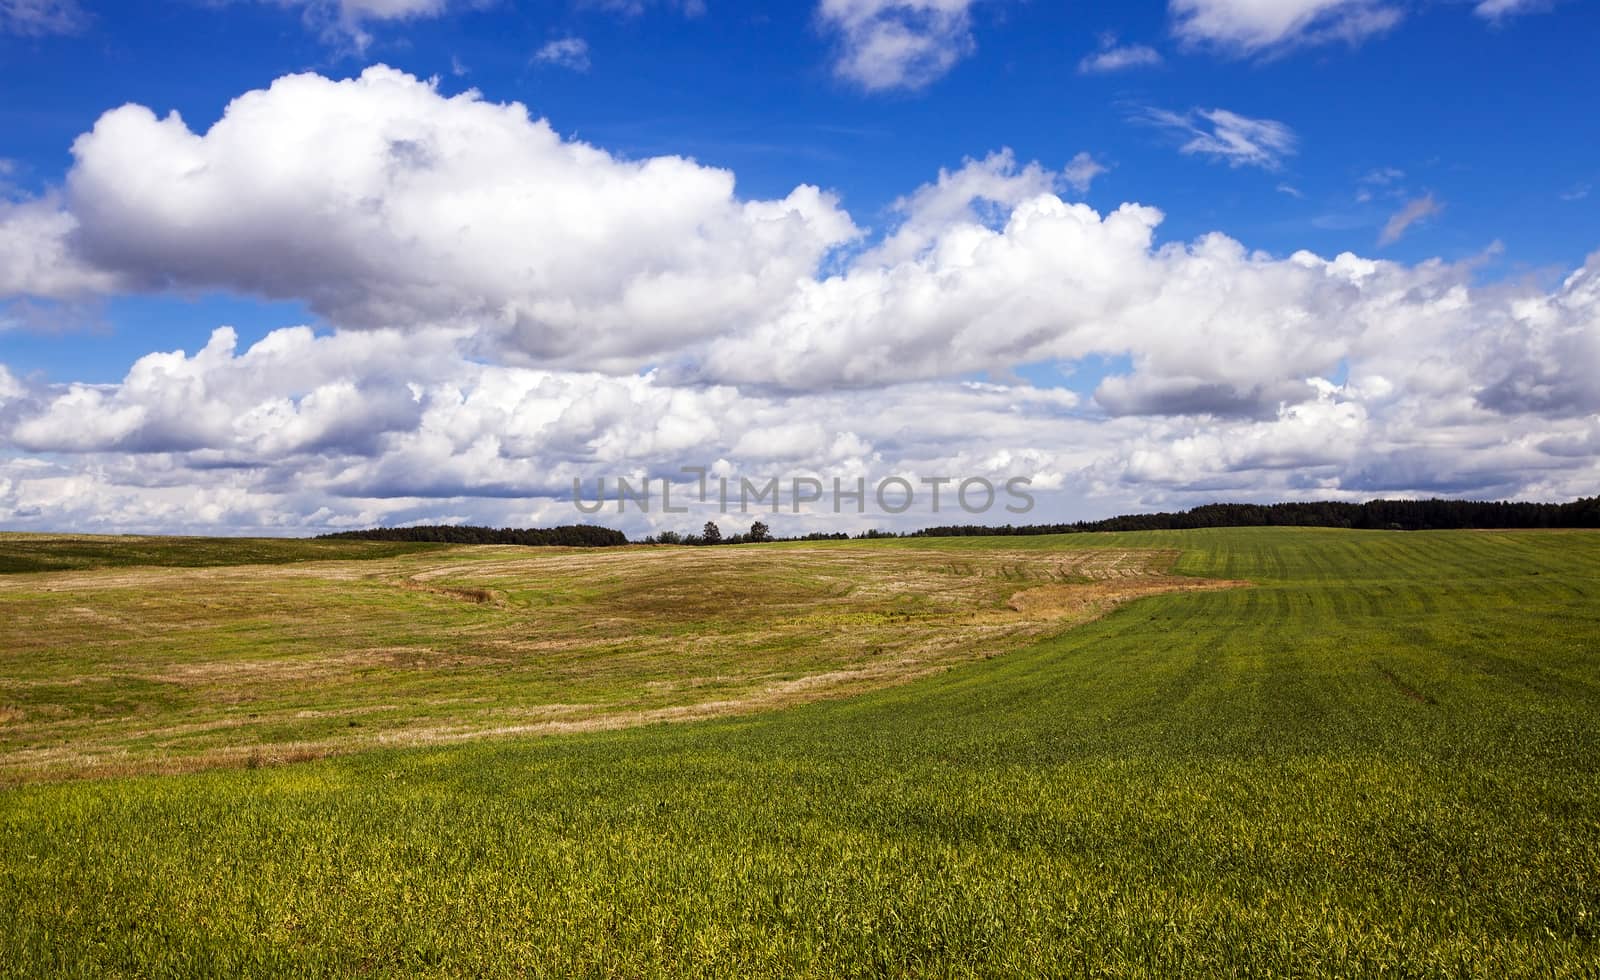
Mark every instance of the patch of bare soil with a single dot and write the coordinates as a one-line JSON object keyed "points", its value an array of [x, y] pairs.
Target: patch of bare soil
{"points": [[480, 596]]}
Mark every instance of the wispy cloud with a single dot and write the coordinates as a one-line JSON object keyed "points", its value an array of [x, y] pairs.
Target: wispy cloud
{"points": [[1229, 137], [1418, 209], [1118, 57], [1381, 182], [1250, 27], [1292, 191], [350, 23], [636, 8], [1497, 10], [37, 18], [345, 23], [566, 52], [1577, 192]]}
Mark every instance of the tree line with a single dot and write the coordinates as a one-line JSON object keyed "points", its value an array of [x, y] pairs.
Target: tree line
{"points": [[570, 536], [1389, 515]]}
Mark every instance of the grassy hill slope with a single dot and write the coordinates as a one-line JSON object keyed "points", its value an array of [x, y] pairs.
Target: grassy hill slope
{"points": [[1379, 759]]}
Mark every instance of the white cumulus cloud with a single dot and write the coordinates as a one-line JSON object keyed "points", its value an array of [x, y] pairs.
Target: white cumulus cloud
{"points": [[897, 44], [510, 310], [381, 202], [37, 255]]}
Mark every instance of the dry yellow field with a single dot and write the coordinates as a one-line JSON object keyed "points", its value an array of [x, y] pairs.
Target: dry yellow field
{"points": [[168, 669]]}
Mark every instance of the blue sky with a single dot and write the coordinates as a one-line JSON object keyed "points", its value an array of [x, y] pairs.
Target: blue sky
{"points": [[1454, 143], [1494, 118]]}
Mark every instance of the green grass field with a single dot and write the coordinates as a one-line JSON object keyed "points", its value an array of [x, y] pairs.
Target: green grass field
{"points": [[1378, 759]]}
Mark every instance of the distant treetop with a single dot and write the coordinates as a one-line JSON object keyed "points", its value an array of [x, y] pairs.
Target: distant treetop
{"points": [[572, 535]]}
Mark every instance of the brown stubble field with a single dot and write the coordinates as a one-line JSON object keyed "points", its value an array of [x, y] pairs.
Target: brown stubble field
{"points": [[161, 669]]}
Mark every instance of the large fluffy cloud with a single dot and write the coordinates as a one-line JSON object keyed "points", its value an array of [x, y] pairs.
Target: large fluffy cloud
{"points": [[37, 257], [382, 202], [386, 205], [1544, 355], [301, 431], [1210, 326], [512, 310], [291, 393]]}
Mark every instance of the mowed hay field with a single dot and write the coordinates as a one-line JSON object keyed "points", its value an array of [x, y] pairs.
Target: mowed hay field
{"points": [[1236, 752], [122, 670]]}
